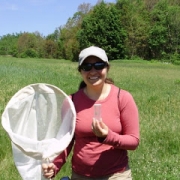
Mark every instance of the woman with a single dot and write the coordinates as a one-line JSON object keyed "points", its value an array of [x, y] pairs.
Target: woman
{"points": [[100, 146]]}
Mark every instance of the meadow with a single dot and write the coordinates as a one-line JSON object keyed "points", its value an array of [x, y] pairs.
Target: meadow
{"points": [[154, 86]]}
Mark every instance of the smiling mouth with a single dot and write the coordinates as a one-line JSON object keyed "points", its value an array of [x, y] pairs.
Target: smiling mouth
{"points": [[93, 78]]}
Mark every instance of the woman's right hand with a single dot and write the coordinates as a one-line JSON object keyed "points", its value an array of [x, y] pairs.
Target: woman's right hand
{"points": [[48, 170], [99, 128]]}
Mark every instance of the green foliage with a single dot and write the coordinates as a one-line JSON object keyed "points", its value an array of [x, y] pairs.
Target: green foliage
{"points": [[29, 53], [8, 44], [158, 33], [68, 42], [125, 29], [102, 28], [134, 19], [50, 49], [163, 40]]}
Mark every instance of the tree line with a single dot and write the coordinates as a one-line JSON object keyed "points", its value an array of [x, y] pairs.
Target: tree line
{"points": [[126, 29]]}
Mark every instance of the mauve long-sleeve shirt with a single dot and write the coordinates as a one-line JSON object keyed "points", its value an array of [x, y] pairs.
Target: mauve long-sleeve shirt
{"points": [[96, 157]]}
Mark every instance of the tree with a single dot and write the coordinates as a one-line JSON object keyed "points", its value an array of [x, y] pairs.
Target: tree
{"points": [[54, 36], [68, 42], [51, 49], [8, 44], [164, 29], [173, 31], [134, 19], [29, 44], [102, 27]]}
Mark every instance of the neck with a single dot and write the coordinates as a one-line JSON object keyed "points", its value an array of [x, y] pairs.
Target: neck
{"points": [[97, 93]]}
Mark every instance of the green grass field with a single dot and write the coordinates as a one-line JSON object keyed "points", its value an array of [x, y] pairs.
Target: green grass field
{"points": [[156, 90]]}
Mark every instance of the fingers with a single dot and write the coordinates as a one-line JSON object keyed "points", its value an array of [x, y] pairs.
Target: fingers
{"points": [[44, 166], [99, 128], [49, 174], [96, 124], [48, 170]]}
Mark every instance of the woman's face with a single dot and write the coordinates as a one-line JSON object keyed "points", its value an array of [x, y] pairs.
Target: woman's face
{"points": [[94, 77]]}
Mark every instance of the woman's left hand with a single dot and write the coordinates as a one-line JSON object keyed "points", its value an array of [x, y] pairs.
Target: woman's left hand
{"points": [[99, 128]]}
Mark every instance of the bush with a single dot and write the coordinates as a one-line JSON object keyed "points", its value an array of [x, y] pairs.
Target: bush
{"points": [[176, 62], [29, 53]]}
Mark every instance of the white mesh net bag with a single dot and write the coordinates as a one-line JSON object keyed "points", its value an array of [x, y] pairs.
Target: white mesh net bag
{"points": [[40, 121]]}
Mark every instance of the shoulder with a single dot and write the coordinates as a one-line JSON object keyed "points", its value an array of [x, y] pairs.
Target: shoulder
{"points": [[76, 94], [123, 95], [126, 100], [121, 91]]}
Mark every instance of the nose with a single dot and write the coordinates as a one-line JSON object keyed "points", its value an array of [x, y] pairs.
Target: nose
{"points": [[93, 70]]}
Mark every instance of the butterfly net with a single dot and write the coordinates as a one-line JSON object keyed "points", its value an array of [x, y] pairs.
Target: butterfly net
{"points": [[40, 121]]}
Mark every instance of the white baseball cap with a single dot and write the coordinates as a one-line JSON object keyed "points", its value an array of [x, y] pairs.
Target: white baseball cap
{"points": [[93, 51]]}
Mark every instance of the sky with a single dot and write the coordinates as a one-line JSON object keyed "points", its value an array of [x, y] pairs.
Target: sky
{"points": [[43, 16]]}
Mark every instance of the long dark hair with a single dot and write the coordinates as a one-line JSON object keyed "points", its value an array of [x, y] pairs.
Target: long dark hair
{"points": [[107, 80]]}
